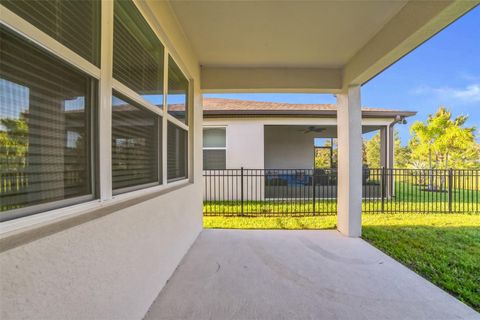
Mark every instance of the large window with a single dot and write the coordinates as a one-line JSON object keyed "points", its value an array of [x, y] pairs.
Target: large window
{"points": [[138, 63], [53, 117], [214, 148], [135, 145], [45, 131], [138, 55], [177, 92], [177, 152], [75, 24]]}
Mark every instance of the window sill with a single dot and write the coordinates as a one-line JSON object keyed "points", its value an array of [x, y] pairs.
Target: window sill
{"points": [[14, 233]]}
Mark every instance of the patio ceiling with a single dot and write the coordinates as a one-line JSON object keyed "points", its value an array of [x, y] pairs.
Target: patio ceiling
{"points": [[320, 46]]}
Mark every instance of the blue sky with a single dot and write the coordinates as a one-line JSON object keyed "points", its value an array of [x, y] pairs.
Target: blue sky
{"points": [[445, 70]]}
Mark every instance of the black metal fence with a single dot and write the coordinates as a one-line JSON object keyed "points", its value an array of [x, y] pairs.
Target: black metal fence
{"points": [[304, 192]]}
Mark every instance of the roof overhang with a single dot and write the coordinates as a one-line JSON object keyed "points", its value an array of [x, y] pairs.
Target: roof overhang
{"points": [[302, 113], [306, 46]]}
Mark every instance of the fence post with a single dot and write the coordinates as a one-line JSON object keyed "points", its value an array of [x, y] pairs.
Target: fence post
{"points": [[313, 190], [383, 188], [450, 179], [241, 188]]}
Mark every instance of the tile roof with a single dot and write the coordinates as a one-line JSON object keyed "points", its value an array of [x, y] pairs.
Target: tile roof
{"points": [[218, 106], [232, 107]]}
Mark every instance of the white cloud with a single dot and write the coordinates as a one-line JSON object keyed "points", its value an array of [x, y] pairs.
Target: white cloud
{"points": [[469, 77], [470, 93]]}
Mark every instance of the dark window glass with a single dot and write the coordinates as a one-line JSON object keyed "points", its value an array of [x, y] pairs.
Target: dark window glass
{"points": [[137, 53], [75, 24], [177, 92], [135, 145], [214, 159], [45, 138], [176, 152]]}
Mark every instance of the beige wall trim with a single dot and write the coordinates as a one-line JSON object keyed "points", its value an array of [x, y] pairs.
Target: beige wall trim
{"points": [[414, 24], [235, 79], [32, 234], [105, 103]]}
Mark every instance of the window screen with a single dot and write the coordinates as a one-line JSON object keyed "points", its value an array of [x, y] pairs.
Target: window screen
{"points": [[137, 53], [45, 138], [177, 92], [75, 24], [135, 145], [176, 152]]}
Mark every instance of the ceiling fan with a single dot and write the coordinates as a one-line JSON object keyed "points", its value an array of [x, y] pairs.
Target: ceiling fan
{"points": [[313, 129]]}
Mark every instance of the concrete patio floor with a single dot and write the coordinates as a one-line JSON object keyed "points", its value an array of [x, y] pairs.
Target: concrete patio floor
{"points": [[273, 274]]}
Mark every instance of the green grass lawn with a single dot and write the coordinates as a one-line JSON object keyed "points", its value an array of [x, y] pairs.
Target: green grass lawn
{"points": [[408, 198], [444, 248]]}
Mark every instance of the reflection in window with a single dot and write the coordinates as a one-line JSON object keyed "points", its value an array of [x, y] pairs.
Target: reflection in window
{"points": [[177, 92], [176, 152], [214, 148], [137, 53], [75, 24], [135, 145], [44, 145]]}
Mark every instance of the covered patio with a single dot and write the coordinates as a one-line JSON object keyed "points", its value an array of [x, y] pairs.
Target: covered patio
{"points": [[103, 246], [266, 274]]}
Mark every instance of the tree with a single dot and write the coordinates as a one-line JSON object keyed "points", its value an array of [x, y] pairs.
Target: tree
{"points": [[372, 152], [323, 158], [443, 142], [401, 154]]}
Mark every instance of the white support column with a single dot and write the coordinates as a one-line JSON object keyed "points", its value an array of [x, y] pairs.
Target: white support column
{"points": [[386, 156], [383, 147], [390, 164], [349, 131], [390, 146]]}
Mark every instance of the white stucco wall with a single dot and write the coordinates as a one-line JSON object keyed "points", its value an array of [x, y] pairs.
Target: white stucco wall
{"points": [[288, 148], [111, 267], [245, 145], [245, 148], [278, 146]]}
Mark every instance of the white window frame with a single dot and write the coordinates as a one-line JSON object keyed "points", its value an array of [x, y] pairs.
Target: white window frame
{"points": [[217, 148], [185, 126], [106, 84], [149, 108]]}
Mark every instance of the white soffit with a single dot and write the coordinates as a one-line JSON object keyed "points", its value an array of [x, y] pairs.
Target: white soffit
{"points": [[295, 45], [281, 33]]}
